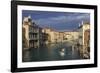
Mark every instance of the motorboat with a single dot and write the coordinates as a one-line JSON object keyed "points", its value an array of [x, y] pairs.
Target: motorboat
{"points": [[62, 52]]}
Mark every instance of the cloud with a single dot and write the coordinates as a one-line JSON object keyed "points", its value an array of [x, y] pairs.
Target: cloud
{"points": [[63, 19], [59, 18], [52, 20]]}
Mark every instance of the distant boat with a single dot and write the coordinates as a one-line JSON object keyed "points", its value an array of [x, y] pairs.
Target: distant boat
{"points": [[62, 52], [63, 49]]}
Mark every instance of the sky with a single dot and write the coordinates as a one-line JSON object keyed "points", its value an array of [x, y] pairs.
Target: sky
{"points": [[60, 21]]}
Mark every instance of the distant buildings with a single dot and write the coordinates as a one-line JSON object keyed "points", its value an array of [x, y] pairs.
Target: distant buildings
{"points": [[46, 35], [53, 36], [71, 35]]}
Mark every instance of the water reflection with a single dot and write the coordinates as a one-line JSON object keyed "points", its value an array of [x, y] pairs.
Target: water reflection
{"points": [[51, 52]]}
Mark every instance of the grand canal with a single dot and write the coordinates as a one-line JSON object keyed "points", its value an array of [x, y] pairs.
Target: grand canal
{"points": [[52, 52]]}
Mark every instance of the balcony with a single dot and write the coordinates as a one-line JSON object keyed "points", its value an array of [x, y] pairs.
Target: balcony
{"points": [[34, 38]]}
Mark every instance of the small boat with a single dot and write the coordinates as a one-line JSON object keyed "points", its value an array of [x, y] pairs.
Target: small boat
{"points": [[63, 49], [62, 52]]}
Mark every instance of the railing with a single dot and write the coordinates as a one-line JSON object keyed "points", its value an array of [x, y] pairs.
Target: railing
{"points": [[34, 38], [35, 31]]}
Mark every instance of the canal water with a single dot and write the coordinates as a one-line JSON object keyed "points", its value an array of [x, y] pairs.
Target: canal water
{"points": [[52, 52]]}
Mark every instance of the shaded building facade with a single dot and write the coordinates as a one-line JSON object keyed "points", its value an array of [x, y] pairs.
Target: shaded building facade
{"points": [[84, 37], [31, 33]]}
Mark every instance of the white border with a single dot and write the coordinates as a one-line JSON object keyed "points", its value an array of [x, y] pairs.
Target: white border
{"points": [[53, 63]]}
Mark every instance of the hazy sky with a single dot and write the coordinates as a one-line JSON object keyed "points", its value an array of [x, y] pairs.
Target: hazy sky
{"points": [[61, 21]]}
